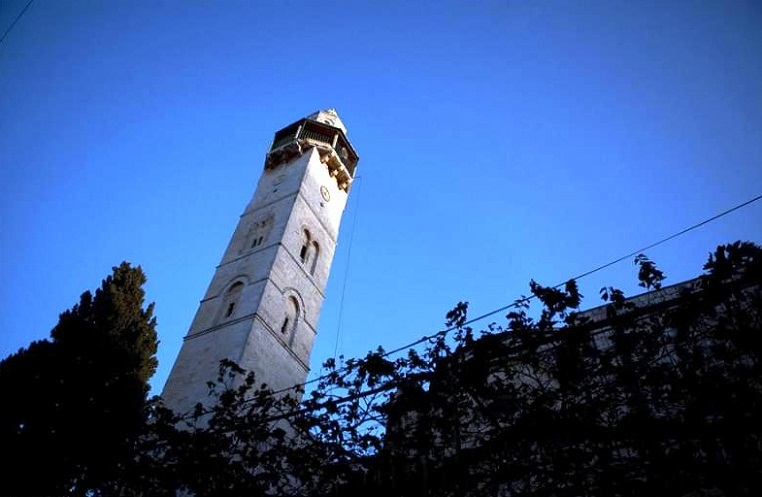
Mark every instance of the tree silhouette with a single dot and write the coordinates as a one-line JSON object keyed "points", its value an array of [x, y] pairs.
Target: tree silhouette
{"points": [[75, 403], [659, 394]]}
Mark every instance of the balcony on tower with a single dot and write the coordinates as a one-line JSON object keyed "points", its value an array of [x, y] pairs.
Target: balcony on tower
{"points": [[323, 131]]}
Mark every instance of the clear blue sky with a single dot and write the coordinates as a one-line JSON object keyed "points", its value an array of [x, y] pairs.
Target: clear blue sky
{"points": [[500, 141]]}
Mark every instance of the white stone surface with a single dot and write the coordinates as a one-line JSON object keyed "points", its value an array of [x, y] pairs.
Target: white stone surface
{"points": [[287, 201]]}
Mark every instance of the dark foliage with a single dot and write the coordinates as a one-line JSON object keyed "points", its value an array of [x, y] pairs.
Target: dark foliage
{"points": [[657, 394], [74, 405]]}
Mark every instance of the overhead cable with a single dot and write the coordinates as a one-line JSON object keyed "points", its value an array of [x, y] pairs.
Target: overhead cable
{"points": [[15, 21], [523, 300]]}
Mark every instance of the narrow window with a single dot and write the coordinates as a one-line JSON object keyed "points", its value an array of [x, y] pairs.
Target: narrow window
{"points": [[229, 311], [257, 242], [290, 318], [315, 254], [258, 232], [304, 253], [230, 300]]}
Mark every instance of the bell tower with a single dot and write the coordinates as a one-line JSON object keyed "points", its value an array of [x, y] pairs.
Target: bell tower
{"points": [[262, 306]]}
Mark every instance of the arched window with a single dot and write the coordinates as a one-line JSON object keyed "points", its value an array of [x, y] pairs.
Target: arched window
{"points": [[304, 253], [230, 309], [258, 232], [230, 300], [314, 257], [309, 252], [290, 318]]}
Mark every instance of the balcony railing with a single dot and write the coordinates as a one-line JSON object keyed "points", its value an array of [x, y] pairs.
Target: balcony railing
{"points": [[310, 133], [319, 134], [284, 136]]}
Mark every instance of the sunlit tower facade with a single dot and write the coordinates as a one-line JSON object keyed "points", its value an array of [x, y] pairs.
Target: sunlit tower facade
{"points": [[262, 306]]}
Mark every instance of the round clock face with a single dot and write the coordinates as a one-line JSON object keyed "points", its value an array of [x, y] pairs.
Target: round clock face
{"points": [[325, 193]]}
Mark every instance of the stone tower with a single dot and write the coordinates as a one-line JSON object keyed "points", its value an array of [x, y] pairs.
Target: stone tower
{"points": [[262, 306]]}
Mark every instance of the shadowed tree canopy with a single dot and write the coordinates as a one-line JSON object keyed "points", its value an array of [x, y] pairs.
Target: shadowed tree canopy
{"points": [[75, 404], [658, 394]]}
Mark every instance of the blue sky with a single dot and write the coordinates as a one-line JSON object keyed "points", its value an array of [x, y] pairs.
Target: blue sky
{"points": [[499, 141]]}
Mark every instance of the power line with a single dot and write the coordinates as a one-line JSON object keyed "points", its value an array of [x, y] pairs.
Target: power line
{"points": [[587, 273], [15, 21], [523, 300], [663, 240], [346, 270]]}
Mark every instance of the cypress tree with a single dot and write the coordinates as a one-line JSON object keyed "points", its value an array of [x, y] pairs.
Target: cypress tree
{"points": [[76, 403]]}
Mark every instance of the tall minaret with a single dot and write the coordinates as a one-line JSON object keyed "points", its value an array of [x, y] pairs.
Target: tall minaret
{"points": [[262, 306]]}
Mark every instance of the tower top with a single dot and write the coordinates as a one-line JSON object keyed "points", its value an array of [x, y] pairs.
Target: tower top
{"points": [[329, 117], [324, 131]]}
